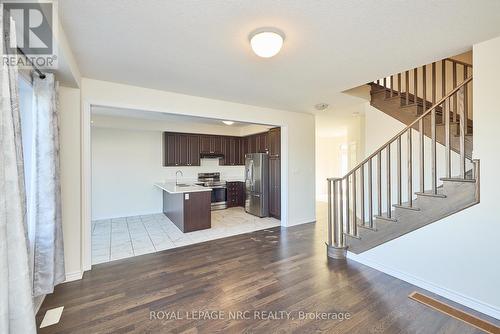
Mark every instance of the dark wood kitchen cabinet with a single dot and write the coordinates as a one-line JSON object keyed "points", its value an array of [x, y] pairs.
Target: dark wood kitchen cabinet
{"points": [[211, 144], [169, 148], [257, 143], [181, 149], [193, 150], [275, 187], [262, 146], [274, 146], [233, 151], [235, 194], [274, 142]]}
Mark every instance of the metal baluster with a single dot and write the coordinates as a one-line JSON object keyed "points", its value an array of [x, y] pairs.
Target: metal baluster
{"points": [[422, 153], [433, 83], [362, 194], [447, 139], [454, 73], [347, 205], [341, 204], [400, 195], [330, 208], [385, 87], [370, 194], [379, 182], [388, 169], [462, 130], [410, 168], [433, 151], [354, 229], [466, 104]]}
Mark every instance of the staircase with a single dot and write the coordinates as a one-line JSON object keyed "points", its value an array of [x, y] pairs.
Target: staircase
{"points": [[421, 175]]}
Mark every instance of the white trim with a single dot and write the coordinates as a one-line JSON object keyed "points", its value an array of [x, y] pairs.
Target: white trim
{"points": [[86, 174], [74, 276], [457, 297], [38, 301], [305, 221], [86, 184]]}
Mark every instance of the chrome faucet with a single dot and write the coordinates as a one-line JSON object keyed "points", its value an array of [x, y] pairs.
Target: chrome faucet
{"points": [[176, 173]]}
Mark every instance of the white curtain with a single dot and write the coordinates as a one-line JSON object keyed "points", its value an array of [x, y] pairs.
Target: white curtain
{"points": [[16, 303], [45, 197]]}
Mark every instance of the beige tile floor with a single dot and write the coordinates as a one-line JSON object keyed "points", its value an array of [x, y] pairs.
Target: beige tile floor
{"points": [[118, 238]]}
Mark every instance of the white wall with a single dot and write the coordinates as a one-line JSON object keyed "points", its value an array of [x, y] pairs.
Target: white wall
{"points": [[457, 257], [334, 128], [69, 118], [127, 162]]}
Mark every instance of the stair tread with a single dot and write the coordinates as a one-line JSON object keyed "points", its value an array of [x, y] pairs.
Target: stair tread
{"points": [[457, 179], [406, 207]]}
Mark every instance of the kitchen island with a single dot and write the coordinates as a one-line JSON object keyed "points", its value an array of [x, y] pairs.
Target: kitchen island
{"points": [[186, 205]]}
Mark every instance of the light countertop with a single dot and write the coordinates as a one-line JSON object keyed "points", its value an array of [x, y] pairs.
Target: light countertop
{"points": [[172, 188]]}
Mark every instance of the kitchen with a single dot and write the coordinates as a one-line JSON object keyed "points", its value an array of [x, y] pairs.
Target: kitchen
{"points": [[207, 178]]}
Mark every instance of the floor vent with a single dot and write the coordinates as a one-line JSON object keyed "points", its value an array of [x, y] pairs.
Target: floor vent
{"points": [[52, 317], [455, 313]]}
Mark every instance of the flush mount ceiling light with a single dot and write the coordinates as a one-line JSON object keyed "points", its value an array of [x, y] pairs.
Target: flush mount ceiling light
{"points": [[228, 122], [266, 42]]}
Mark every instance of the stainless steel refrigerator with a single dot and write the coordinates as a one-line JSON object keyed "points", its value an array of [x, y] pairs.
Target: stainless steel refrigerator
{"points": [[257, 184]]}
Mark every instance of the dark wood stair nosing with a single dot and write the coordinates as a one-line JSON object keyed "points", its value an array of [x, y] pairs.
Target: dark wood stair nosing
{"points": [[457, 179], [405, 207], [373, 229], [426, 194], [393, 220]]}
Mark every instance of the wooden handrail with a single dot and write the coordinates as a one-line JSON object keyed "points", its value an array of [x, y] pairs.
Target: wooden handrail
{"points": [[456, 89]]}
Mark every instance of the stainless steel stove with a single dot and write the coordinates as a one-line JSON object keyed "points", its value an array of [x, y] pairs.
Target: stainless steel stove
{"points": [[219, 191]]}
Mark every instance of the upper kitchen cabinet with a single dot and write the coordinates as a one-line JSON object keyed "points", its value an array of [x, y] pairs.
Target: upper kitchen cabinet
{"points": [[193, 149], [274, 142], [181, 149], [211, 144], [233, 151], [257, 143], [169, 148], [262, 146]]}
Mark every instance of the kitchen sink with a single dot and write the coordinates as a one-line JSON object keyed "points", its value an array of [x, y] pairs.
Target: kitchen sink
{"points": [[182, 185]]}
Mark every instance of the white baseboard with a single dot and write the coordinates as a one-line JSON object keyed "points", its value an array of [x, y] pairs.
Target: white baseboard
{"points": [[38, 301], [306, 221], [73, 276], [457, 297]]}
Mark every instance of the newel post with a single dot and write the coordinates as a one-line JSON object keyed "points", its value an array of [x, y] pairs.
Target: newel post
{"points": [[335, 246]]}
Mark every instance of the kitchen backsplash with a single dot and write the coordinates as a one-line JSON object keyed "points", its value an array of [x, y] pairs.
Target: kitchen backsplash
{"points": [[207, 165]]}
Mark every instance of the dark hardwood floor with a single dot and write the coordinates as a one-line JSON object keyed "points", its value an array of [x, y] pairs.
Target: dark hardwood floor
{"points": [[268, 270]]}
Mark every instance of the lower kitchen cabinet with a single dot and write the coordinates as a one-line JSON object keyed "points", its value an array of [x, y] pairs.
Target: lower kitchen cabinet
{"points": [[235, 194]]}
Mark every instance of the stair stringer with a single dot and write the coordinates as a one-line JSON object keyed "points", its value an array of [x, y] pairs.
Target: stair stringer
{"points": [[459, 195]]}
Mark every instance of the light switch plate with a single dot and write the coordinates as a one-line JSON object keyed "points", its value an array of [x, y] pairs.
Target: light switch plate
{"points": [[186, 196]]}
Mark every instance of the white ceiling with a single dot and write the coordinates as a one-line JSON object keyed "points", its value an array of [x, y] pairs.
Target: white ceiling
{"points": [[201, 47]]}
